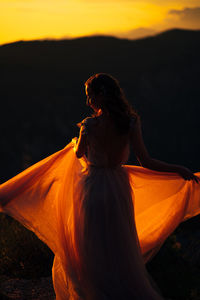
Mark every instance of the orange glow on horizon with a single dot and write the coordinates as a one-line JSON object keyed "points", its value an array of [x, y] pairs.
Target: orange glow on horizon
{"points": [[40, 19]]}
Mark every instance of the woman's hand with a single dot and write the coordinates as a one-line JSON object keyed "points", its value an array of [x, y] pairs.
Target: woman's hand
{"points": [[187, 174]]}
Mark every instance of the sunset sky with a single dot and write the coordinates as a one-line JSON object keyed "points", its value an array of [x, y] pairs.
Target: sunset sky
{"points": [[41, 19]]}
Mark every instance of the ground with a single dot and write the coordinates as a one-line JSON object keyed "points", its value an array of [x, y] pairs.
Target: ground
{"points": [[23, 289]]}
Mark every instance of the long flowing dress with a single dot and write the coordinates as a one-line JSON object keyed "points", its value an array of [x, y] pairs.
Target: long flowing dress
{"points": [[102, 219]]}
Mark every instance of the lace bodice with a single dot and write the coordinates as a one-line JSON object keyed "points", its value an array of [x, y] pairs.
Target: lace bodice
{"points": [[105, 146]]}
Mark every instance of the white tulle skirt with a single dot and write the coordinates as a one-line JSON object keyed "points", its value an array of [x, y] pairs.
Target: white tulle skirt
{"points": [[103, 224]]}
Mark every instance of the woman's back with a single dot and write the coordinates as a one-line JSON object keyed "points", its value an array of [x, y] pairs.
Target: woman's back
{"points": [[105, 145]]}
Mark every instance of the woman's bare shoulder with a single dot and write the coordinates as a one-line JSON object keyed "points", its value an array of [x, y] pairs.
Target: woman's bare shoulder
{"points": [[86, 122], [89, 120]]}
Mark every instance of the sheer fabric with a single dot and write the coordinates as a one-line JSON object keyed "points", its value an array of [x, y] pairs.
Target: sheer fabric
{"points": [[87, 211]]}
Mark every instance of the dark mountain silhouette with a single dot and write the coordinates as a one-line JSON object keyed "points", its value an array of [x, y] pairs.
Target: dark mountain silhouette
{"points": [[42, 93]]}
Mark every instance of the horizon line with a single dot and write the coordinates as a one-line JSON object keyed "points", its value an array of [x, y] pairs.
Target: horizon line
{"points": [[99, 35]]}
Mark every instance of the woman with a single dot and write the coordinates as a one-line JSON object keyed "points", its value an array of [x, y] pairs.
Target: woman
{"points": [[85, 204]]}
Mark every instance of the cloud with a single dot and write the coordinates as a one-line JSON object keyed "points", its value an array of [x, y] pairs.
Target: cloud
{"points": [[187, 12], [187, 17]]}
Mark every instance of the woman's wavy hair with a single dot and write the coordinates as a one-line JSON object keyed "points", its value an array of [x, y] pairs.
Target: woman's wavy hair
{"points": [[115, 101]]}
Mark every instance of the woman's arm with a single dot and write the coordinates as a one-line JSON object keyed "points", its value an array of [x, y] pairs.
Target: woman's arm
{"points": [[81, 144], [147, 161]]}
